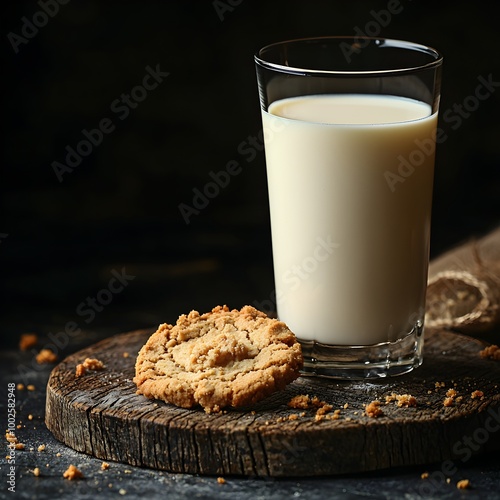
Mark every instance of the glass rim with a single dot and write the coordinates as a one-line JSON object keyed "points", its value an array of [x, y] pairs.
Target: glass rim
{"points": [[379, 41]]}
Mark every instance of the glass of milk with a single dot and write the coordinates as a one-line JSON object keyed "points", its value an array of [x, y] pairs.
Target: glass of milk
{"points": [[350, 134]]}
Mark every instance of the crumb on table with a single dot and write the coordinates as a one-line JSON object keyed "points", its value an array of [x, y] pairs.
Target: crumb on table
{"points": [[221, 480], [72, 473], [463, 484], [46, 356], [27, 340]]}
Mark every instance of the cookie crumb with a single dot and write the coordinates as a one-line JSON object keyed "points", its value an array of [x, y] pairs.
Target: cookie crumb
{"points": [[448, 402], [403, 400], [300, 401], [30, 417], [373, 409], [30, 387], [13, 441], [451, 393], [390, 398], [221, 480], [58, 454], [477, 394], [490, 352], [11, 438], [36, 471], [463, 484], [104, 466], [20, 387], [46, 356], [122, 491], [89, 364], [27, 341], [72, 473], [406, 400], [41, 447], [424, 475], [126, 354]]}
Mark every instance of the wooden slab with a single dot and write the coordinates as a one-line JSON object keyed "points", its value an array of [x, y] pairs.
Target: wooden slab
{"points": [[100, 414]]}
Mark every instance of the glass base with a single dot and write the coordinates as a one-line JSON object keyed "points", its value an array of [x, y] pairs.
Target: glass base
{"points": [[364, 362]]}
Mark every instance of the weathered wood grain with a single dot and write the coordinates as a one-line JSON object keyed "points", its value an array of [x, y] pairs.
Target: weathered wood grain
{"points": [[100, 414]]}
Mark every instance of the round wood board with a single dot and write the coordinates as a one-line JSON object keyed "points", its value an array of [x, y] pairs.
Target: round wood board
{"points": [[100, 414]]}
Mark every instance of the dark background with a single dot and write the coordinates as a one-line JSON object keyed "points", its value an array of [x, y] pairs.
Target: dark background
{"points": [[119, 208]]}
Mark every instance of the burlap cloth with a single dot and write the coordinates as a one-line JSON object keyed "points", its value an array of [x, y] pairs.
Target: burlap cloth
{"points": [[463, 290]]}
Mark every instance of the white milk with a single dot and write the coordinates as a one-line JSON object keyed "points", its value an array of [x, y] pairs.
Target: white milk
{"points": [[350, 184]]}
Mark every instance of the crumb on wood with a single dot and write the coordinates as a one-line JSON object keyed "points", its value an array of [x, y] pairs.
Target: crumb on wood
{"points": [[402, 400], [448, 402], [477, 394], [27, 340], [72, 473], [301, 401], [406, 400], [490, 352], [451, 393], [463, 484], [46, 356], [373, 409], [221, 480], [88, 364], [126, 354]]}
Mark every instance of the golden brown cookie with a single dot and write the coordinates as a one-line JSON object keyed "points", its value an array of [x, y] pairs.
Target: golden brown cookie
{"points": [[218, 359]]}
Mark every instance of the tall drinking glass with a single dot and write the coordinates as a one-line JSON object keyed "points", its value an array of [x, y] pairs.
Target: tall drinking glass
{"points": [[350, 134]]}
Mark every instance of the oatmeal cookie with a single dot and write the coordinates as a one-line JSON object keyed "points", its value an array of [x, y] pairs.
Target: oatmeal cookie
{"points": [[218, 359]]}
